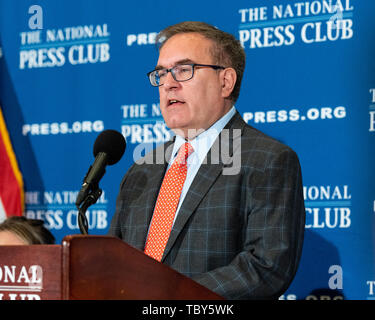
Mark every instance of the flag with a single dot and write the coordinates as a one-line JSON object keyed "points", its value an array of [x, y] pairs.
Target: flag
{"points": [[11, 182]]}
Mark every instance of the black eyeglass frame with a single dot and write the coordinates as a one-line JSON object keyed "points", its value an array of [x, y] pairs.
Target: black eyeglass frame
{"points": [[193, 65]]}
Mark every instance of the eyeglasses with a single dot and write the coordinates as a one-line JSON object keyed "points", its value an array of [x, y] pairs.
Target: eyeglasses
{"points": [[181, 72]]}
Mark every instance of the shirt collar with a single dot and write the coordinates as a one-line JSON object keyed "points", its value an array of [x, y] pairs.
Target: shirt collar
{"points": [[204, 141]]}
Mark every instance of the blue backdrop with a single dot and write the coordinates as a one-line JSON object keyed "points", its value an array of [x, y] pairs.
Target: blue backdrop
{"points": [[71, 69]]}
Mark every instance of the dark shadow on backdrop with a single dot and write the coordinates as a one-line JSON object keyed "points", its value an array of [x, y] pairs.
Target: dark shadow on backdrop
{"points": [[312, 278]]}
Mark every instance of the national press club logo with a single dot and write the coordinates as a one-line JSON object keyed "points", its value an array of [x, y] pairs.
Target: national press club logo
{"points": [[54, 47], [58, 210], [309, 22], [327, 206], [142, 123]]}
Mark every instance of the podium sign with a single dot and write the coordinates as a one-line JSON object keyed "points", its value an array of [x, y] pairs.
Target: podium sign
{"points": [[30, 272]]}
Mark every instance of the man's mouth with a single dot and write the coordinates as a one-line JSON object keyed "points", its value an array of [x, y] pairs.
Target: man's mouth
{"points": [[174, 102]]}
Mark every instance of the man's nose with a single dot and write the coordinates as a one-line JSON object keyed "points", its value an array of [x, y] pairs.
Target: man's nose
{"points": [[170, 82]]}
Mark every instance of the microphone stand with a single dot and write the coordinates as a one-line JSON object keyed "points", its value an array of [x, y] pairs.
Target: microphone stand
{"points": [[89, 200]]}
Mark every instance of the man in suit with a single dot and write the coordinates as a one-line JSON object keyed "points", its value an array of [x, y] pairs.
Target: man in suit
{"points": [[237, 225]]}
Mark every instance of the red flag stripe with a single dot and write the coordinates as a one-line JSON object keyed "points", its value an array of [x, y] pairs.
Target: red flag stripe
{"points": [[11, 182]]}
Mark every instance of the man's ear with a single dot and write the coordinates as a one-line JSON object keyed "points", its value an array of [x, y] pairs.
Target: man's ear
{"points": [[228, 78]]}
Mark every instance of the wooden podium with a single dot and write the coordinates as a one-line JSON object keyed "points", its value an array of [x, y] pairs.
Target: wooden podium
{"points": [[91, 267]]}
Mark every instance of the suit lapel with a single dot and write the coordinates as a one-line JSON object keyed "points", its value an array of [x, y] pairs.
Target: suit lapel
{"points": [[206, 176]]}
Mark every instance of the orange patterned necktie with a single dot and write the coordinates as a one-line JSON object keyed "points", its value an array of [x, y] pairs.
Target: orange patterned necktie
{"points": [[166, 204]]}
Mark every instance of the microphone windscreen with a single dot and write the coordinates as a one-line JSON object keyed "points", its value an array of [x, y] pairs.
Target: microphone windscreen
{"points": [[112, 143]]}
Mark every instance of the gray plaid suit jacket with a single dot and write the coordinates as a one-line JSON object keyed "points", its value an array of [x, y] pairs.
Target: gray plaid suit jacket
{"points": [[239, 235]]}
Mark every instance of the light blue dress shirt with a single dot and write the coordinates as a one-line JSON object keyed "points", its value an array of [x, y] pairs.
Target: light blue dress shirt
{"points": [[201, 145]]}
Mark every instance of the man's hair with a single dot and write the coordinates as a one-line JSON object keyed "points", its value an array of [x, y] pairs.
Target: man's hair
{"points": [[226, 51], [32, 231]]}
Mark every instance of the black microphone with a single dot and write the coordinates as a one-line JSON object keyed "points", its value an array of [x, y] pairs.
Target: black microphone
{"points": [[109, 147]]}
